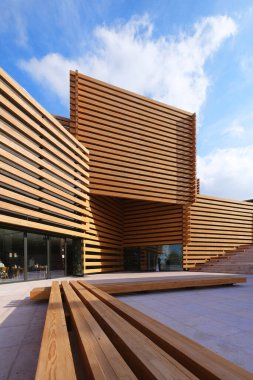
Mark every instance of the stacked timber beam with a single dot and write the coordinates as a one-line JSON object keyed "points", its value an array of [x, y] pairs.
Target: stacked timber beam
{"points": [[103, 250], [139, 148], [151, 223], [116, 341], [44, 170], [216, 225], [142, 152], [239, 260]]}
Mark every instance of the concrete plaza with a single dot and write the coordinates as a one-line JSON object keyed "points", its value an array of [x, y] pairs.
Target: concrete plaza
{"points": [[220, 318]]}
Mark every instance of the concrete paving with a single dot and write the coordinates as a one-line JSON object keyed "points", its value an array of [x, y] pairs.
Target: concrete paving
{"points": [[220, 318]]}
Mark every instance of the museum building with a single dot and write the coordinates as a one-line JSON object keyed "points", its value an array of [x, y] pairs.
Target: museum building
{"points": [[111, 188]]}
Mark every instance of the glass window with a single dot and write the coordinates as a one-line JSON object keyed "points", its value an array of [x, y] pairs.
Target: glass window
{"points": [[11, 255], [163, 258], [57, 257], [171, 258], [37, 266], [74, 260]]}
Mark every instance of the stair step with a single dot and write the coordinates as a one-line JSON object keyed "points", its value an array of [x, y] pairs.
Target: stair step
{"points": [[238, 260]]}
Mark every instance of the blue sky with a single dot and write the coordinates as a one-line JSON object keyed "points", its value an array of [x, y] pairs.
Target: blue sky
{"points": [[195, 55]]}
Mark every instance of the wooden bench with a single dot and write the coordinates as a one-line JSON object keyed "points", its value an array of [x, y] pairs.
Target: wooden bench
{"points": [[37, 294], [146, 359], [199, 360], [100, 358], [116, 341], [40, 294], [170, 283], [55, 358]]}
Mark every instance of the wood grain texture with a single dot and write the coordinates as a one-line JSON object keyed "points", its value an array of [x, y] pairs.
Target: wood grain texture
{"points": [[158, 285], [144, 357], [139, 148], [65, 121], [177, 282], [103, 249], [115, 223], [55, 358], [215, 225], [44, 169], [100, 358], [39, 294], [152, 223], [200, 361]]}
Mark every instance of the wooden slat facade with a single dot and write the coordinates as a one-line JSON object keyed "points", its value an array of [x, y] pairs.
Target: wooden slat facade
{"points": [[141, 175], [65, 121], [115, 223], [215, 225], [152, 223], [139, 148], [44, 169], [103, 249]]}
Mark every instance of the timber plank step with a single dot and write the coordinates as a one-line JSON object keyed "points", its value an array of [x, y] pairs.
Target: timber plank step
{"points": [[143, 286], [38, 294], [101, 359], [238, 261], [146, 359], [116, 341], [199, 360], [55, 358]]}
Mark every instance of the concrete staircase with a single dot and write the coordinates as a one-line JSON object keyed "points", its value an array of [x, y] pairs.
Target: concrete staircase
{"points": [[239, 260]]}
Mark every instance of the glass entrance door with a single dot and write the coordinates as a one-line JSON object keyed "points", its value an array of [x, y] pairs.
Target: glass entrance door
{"points": [[11, 255], [57, 257], [37, 263]]}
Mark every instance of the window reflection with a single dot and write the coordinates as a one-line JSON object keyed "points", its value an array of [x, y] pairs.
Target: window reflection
{"points": [[11, 255], [47, 256], [163, 258], [57, 257], [36, 256]]}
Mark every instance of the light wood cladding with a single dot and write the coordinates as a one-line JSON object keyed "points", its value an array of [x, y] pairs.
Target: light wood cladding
{"points": [[65, 121], [115, 223], [215, 225], [44, 169], [139, 148], [103, 250], [152, 223]]}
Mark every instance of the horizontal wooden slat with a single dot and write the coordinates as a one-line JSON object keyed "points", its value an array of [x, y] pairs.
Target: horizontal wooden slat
{"points": [[216, 225], [55, 352], [38, 226], [19, 173], [94, 83], [106, 230], [14, 159], [44, 169], [130, 131], [42, 162], [43, 216], [41, 136], [70, 141], [32, 191]]}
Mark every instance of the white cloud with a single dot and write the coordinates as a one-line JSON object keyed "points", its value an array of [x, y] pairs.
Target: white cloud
{"points": [[12, 19], [235, 130], [246, 65], [227, 173], [168, 68]]}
